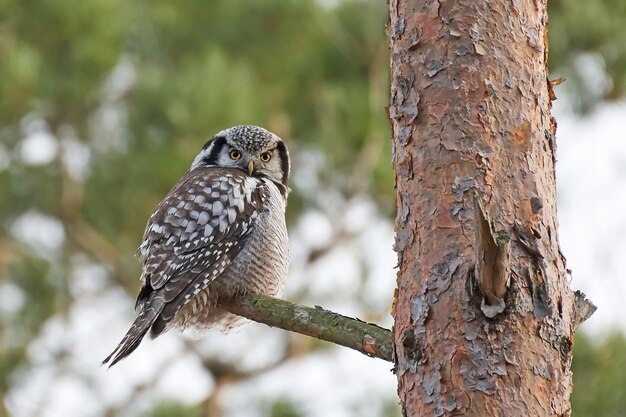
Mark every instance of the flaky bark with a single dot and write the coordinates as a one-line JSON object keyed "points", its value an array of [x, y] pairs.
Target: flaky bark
{"points": [[484, 317]]}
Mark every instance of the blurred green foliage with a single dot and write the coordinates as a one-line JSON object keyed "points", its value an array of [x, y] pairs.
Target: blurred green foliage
{"points": [[142, 84], [280, 408], [284, 408], [595, 27], [599, 377], [174, 410]]}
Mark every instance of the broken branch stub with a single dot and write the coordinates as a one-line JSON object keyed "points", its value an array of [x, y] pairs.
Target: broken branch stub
{"points": [[583, 308], [492, 269]]}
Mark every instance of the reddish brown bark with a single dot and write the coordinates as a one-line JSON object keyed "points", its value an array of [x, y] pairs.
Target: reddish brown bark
{"points": [[470, 110]]}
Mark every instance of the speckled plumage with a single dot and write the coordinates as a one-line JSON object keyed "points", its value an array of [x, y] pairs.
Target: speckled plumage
{"points": [[219, 231]]}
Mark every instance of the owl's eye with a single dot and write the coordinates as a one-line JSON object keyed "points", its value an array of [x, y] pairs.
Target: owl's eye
{"points": [[235, 155], [265, 157]]}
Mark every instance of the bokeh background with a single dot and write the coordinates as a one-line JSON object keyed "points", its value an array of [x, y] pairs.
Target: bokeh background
{"points": [[104, 104]]}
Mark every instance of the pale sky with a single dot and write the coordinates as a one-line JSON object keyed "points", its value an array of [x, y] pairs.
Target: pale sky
{"points": [[591, 186]]}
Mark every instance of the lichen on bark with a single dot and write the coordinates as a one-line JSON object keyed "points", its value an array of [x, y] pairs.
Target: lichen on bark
{"points": [[367, 338]]}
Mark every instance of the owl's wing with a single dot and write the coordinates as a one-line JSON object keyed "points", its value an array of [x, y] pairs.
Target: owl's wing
{"points": [[202, 218], [190, 239], [198, 228]]}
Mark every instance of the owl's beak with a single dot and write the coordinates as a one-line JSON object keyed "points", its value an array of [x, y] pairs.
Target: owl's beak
{"points": [[250, 167]]}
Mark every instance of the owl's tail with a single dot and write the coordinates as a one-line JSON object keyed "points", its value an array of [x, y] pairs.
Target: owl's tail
{"points": [[149, 313]]}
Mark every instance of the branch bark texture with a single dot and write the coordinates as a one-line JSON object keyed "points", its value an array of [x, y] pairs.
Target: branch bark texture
{"points": [[367, 338], [470, 111]]}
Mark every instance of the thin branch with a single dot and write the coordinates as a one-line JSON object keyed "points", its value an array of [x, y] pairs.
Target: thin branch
{"points": [[367, 338]]}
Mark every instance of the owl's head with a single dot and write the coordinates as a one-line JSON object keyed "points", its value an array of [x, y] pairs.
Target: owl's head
{"points": [[252, 149]]}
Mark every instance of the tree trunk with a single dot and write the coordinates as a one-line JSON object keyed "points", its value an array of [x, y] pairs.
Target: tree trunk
{"points": [[484, 315]]}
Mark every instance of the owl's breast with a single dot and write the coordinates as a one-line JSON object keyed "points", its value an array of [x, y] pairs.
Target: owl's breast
{"points": [[260, 267]]}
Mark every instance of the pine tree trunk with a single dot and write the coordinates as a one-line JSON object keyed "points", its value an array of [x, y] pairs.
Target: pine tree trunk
{"points": [[484, 315]]}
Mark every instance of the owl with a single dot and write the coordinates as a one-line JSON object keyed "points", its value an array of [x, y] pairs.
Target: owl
{"points": [[220, 231]]}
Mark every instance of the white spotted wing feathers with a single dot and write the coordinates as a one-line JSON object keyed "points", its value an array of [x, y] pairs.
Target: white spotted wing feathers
{"points": [[191, 238]]}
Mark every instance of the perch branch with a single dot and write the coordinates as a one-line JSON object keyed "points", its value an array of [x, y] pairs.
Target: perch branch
{"points": [[367, 338]]}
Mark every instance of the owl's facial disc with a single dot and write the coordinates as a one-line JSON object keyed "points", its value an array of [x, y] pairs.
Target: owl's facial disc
{"points": [[252, 149]]}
